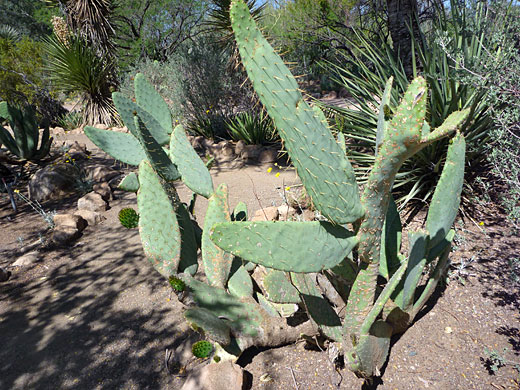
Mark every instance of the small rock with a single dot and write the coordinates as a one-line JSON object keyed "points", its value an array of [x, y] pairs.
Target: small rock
{"points": [[101, 173], [196, 143], [69, 220], [216, 376], [285, 212], [268, 155], [251, 152], [64, 235], [77, 147], [27, 259], [343, 93], [93, 202], [104, 190], [308, 215], [330, 95], [240, 147], [226, 152], [57, 130], [78, 151], [123, 129], [4, 275], [208, 144], [101, 126], [92, 217], [266, 214]]}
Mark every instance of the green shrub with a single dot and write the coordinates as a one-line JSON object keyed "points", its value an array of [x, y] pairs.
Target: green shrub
{"points": [[198, 84], [365, 76], [20, 68], [252, 128], [497, 72]]}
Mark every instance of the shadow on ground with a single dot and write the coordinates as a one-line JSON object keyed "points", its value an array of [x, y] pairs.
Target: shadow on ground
{"points": [[100, 319]]}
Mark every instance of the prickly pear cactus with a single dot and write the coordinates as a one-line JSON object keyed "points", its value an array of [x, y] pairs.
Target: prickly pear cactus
{"points": [[372, 315], [128, 218], [331, 267]]}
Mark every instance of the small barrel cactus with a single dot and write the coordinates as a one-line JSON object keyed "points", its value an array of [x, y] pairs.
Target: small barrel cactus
{"points": [[128, 218], [202, 349], [176, 283]]}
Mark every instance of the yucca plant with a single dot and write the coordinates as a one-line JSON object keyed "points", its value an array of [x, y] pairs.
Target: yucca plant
{"points": [[372, 64], [252, 128], [219, 19], [74, 67], [9, 33]]}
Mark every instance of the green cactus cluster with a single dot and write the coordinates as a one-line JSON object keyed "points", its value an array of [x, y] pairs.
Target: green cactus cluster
{"points": [[355, 246], [202, 349], [24, 142], [128, 218], [176, 283]]}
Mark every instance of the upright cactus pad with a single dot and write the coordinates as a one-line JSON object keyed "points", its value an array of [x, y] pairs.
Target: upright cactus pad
{"points": [[128, 218], [158, 226], [321, 164]]}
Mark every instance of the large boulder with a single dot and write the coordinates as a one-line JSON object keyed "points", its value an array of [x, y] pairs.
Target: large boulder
{"points": [[53, 182]]}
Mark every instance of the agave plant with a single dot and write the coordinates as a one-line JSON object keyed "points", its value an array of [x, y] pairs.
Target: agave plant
{"points": [[74, 67], [9, 33], [252, 128], [372, 64]]}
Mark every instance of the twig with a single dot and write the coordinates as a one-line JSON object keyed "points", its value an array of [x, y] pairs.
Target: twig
{"points": [[167, 356], [294, 378], [256, 196]]}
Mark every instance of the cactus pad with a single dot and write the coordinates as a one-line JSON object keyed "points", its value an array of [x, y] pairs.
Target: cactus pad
{"points": [[158, 226], [121, 146], [286, 246], [322, 166]]}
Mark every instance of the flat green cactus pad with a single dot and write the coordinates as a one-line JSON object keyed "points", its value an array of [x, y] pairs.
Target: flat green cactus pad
{"points": [[286, 246], [192, 169], [213, 327], [322, 166], [158, 226], [446, 198], [217, 263], [148, 98], [129, 183], [121, 146], [240, 314]]}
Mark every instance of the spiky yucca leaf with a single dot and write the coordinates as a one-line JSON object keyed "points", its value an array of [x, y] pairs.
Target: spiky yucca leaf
{"points": [[75, 67]]}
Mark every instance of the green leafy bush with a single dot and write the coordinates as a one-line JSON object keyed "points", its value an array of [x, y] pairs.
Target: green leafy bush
{"points": [[20, 67], [497, 72], [198, 85]]}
